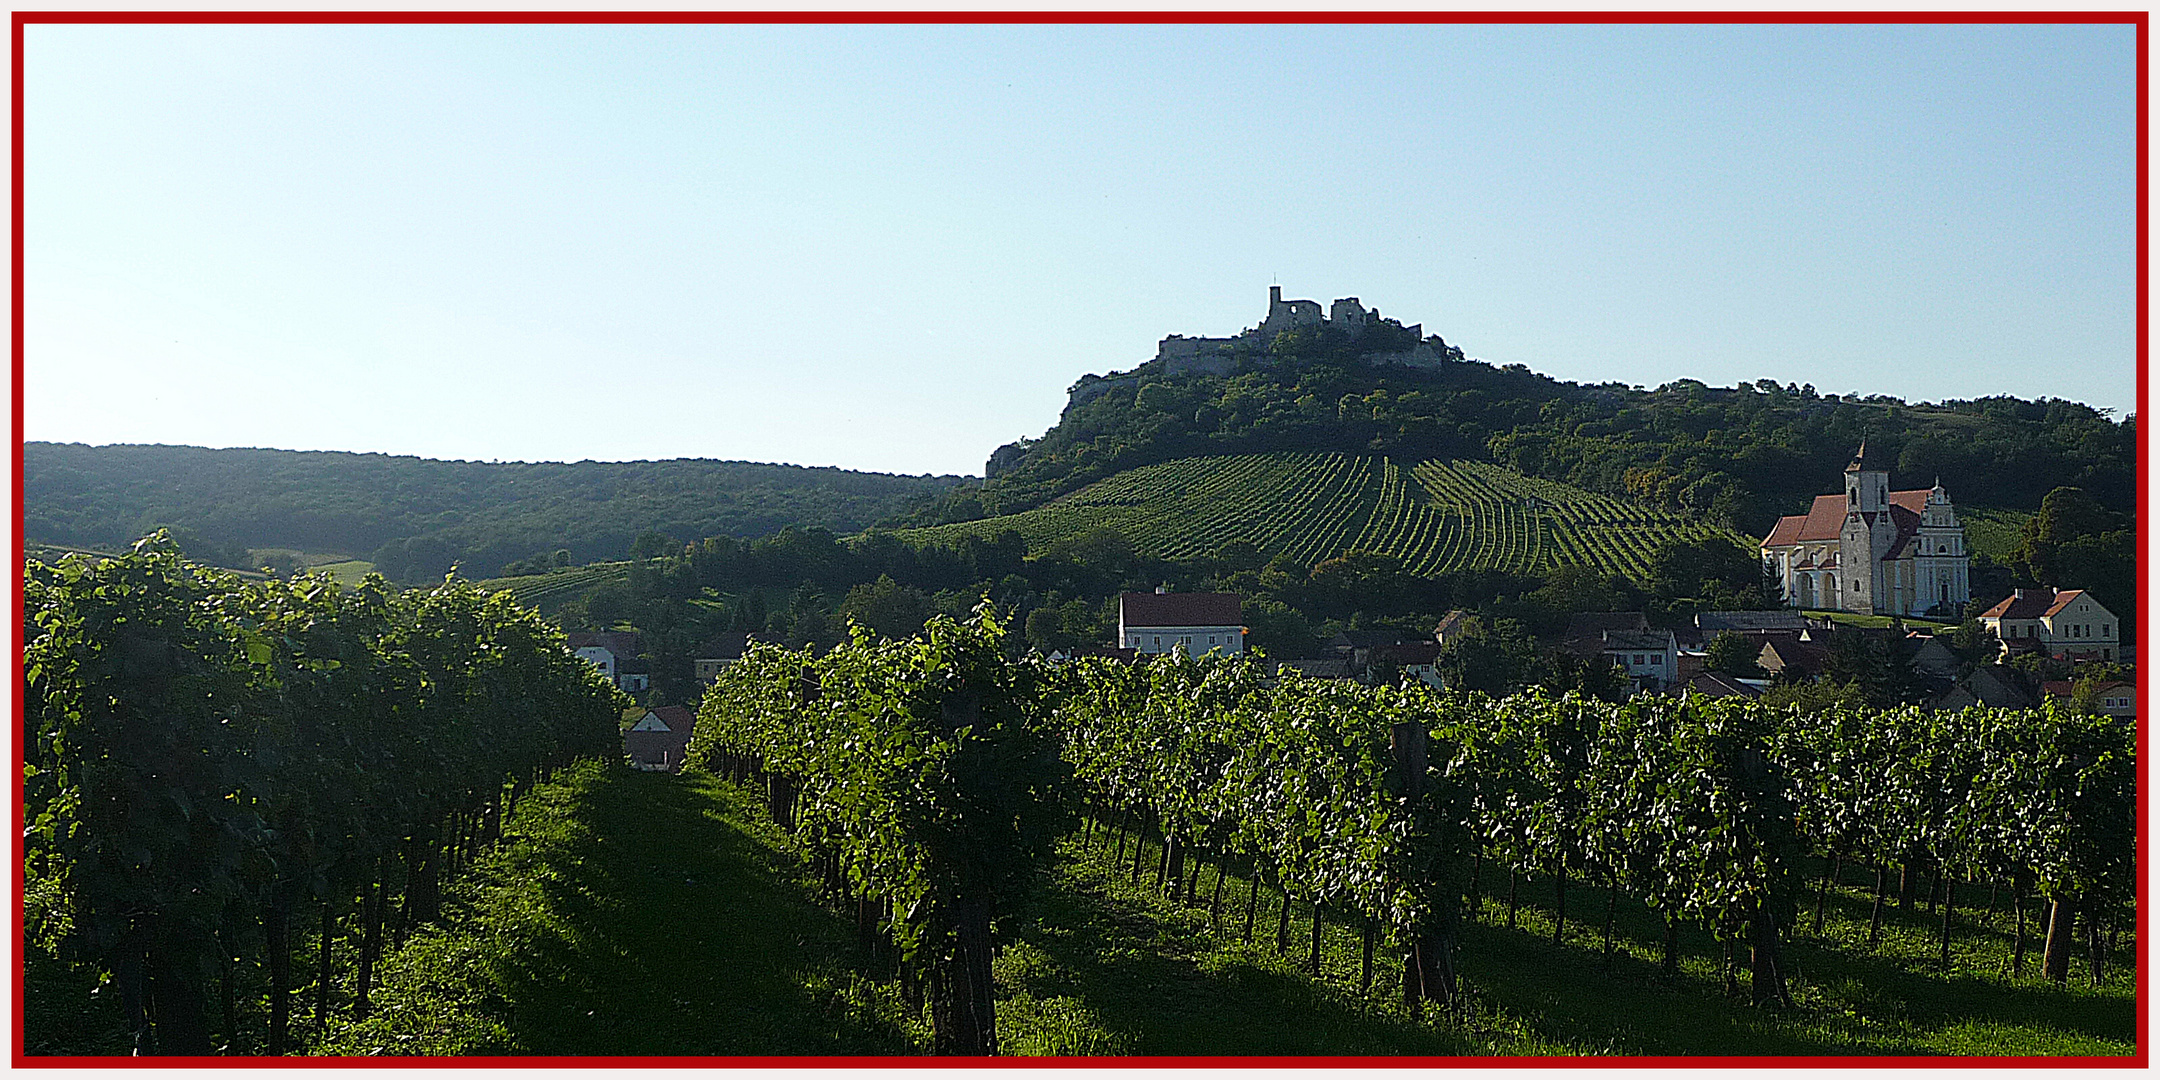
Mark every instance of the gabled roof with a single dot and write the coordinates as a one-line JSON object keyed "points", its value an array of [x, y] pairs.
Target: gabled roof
{"points": [[2063, 598], [2025, 604], [678, 718], [1824, 517], [1990, 686], [1451, 622], [1327, 668], [1779, 653], [1180, 609], [1915, 501]]}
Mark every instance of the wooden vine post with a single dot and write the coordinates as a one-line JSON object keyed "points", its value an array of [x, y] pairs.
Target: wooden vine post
{"points": [[1428, 963]]}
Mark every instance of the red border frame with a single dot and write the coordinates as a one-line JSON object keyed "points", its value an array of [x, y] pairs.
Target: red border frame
{"points": [[2139, 19]]}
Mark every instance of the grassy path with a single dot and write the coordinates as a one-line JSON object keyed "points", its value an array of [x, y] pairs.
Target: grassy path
{"points": [[629, 915], [645, 914]]}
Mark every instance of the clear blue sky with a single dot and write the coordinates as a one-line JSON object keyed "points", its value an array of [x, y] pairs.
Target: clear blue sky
{"points": [[893, 249]]}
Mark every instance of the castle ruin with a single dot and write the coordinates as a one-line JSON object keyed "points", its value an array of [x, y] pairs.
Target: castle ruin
{"points": [[1178, 354]]}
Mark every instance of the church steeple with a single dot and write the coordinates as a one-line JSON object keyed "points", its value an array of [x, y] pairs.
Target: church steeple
{"points": [[1861, 462], [1867, 484]]}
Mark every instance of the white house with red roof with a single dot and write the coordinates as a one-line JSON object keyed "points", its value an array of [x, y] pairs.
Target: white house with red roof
{"points": [[1160, 621], [2068, 625], [1873, 550]]}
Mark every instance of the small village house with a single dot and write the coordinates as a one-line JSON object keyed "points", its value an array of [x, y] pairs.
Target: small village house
{"points": [[1160, 621], [658, 740], [2067, 625]]}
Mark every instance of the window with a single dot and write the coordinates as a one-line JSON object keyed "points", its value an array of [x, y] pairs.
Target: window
{"points": [[1656, 660], [1638, 659]]}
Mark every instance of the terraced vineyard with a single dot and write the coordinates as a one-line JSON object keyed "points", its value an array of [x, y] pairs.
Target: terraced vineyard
{"points": [[1436, 516], [544, 591]]}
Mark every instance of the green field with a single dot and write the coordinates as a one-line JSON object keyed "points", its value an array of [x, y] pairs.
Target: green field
{"points": [[1436, 516]]}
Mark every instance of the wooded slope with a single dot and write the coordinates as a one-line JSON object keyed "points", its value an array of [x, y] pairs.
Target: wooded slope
{"points": [[415, 516]]}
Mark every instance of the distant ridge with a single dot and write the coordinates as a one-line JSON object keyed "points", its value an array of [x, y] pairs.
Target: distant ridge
{"points": [[415, 516]]}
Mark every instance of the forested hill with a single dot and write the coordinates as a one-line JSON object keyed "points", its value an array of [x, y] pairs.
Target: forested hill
{"points": [[1744, 455], [414, 516]]}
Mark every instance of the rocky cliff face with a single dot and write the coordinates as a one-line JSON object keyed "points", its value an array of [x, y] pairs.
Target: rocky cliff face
{"points": [[1005, 458]]}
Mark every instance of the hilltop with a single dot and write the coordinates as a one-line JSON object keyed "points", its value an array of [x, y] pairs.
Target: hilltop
{"points": [[1352, 382]]}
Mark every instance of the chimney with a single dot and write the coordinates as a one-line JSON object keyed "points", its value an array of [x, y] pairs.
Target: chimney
{"points": [[1274, 295]]}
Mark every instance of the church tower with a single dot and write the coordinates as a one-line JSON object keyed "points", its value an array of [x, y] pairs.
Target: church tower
{"points": [[1867, 535], [1867, 484]]}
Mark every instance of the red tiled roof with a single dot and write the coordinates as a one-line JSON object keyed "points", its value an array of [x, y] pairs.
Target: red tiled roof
{"points": [[1181, 609], [2063, 598], [678, 718], [1822, 521], [2024, 604], [1826, 515]]}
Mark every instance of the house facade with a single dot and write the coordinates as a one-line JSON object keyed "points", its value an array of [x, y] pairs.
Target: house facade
{"points": [[2067, 625], [1649, 657], [620, 655], [1872, 550], [1160, 621]]}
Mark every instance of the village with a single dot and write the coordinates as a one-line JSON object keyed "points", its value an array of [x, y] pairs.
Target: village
{"points": [[1853, 569]]}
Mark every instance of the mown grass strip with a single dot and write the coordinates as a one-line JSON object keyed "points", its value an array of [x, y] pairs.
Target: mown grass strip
{"points": [[625, 914]]}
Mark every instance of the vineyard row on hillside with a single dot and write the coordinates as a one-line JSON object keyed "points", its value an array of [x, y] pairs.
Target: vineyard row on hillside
{"points": [[1435, 516]]}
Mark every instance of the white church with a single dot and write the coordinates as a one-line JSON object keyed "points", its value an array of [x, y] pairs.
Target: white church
{"points": [[1873, 550]]}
